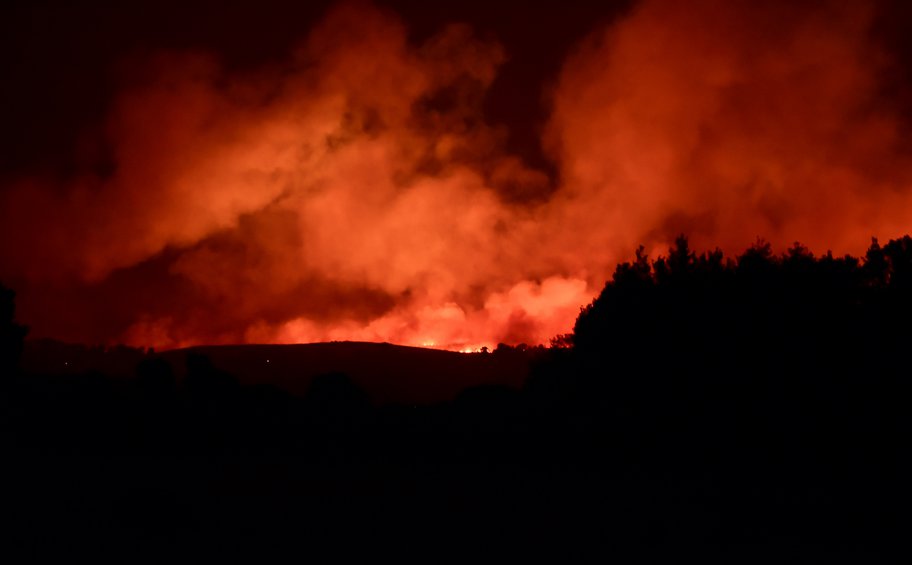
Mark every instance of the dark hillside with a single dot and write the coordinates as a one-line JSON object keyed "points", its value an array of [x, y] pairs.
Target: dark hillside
{"points": [[388, 373]]}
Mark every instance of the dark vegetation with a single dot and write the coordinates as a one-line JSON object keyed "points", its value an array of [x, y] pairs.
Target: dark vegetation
{"points": [[747, 410], [389, 374]]}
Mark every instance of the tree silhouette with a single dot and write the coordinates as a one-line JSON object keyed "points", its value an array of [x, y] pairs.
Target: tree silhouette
{"points": [[11, 333], [899, 254]]}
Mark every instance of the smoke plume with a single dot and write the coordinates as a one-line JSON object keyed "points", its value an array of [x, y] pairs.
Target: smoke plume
{"points": [[355, 191]]}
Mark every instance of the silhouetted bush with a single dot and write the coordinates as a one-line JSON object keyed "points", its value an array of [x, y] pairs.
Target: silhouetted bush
{"points": [[11, 333]]}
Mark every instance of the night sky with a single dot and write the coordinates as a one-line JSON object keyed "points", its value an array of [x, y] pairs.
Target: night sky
{"points": [[176, 173]]}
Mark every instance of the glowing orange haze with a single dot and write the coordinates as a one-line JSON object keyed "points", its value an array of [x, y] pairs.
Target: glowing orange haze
{"points": [[364, 164]]}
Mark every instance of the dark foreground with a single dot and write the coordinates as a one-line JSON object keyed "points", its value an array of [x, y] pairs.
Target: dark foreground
{"points": [[479, 479], [749, 411]]}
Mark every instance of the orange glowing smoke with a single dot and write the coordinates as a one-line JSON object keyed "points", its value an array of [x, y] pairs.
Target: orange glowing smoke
{"points": [[729, 121], [355, 192]]}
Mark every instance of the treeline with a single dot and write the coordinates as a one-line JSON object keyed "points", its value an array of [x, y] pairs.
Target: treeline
{"points": [[790, 346], [740, 407]]}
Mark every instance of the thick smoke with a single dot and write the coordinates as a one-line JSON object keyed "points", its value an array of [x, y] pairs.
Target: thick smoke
{"points": [[353, 193], [728, 121], [356, 192]]}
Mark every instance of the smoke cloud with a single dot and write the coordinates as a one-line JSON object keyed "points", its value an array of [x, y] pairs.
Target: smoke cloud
{"points": [[728, 121], [355, 191]]}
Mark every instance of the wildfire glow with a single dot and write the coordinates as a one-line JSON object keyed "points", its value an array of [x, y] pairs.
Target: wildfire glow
{"points": [[357, 193]]}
